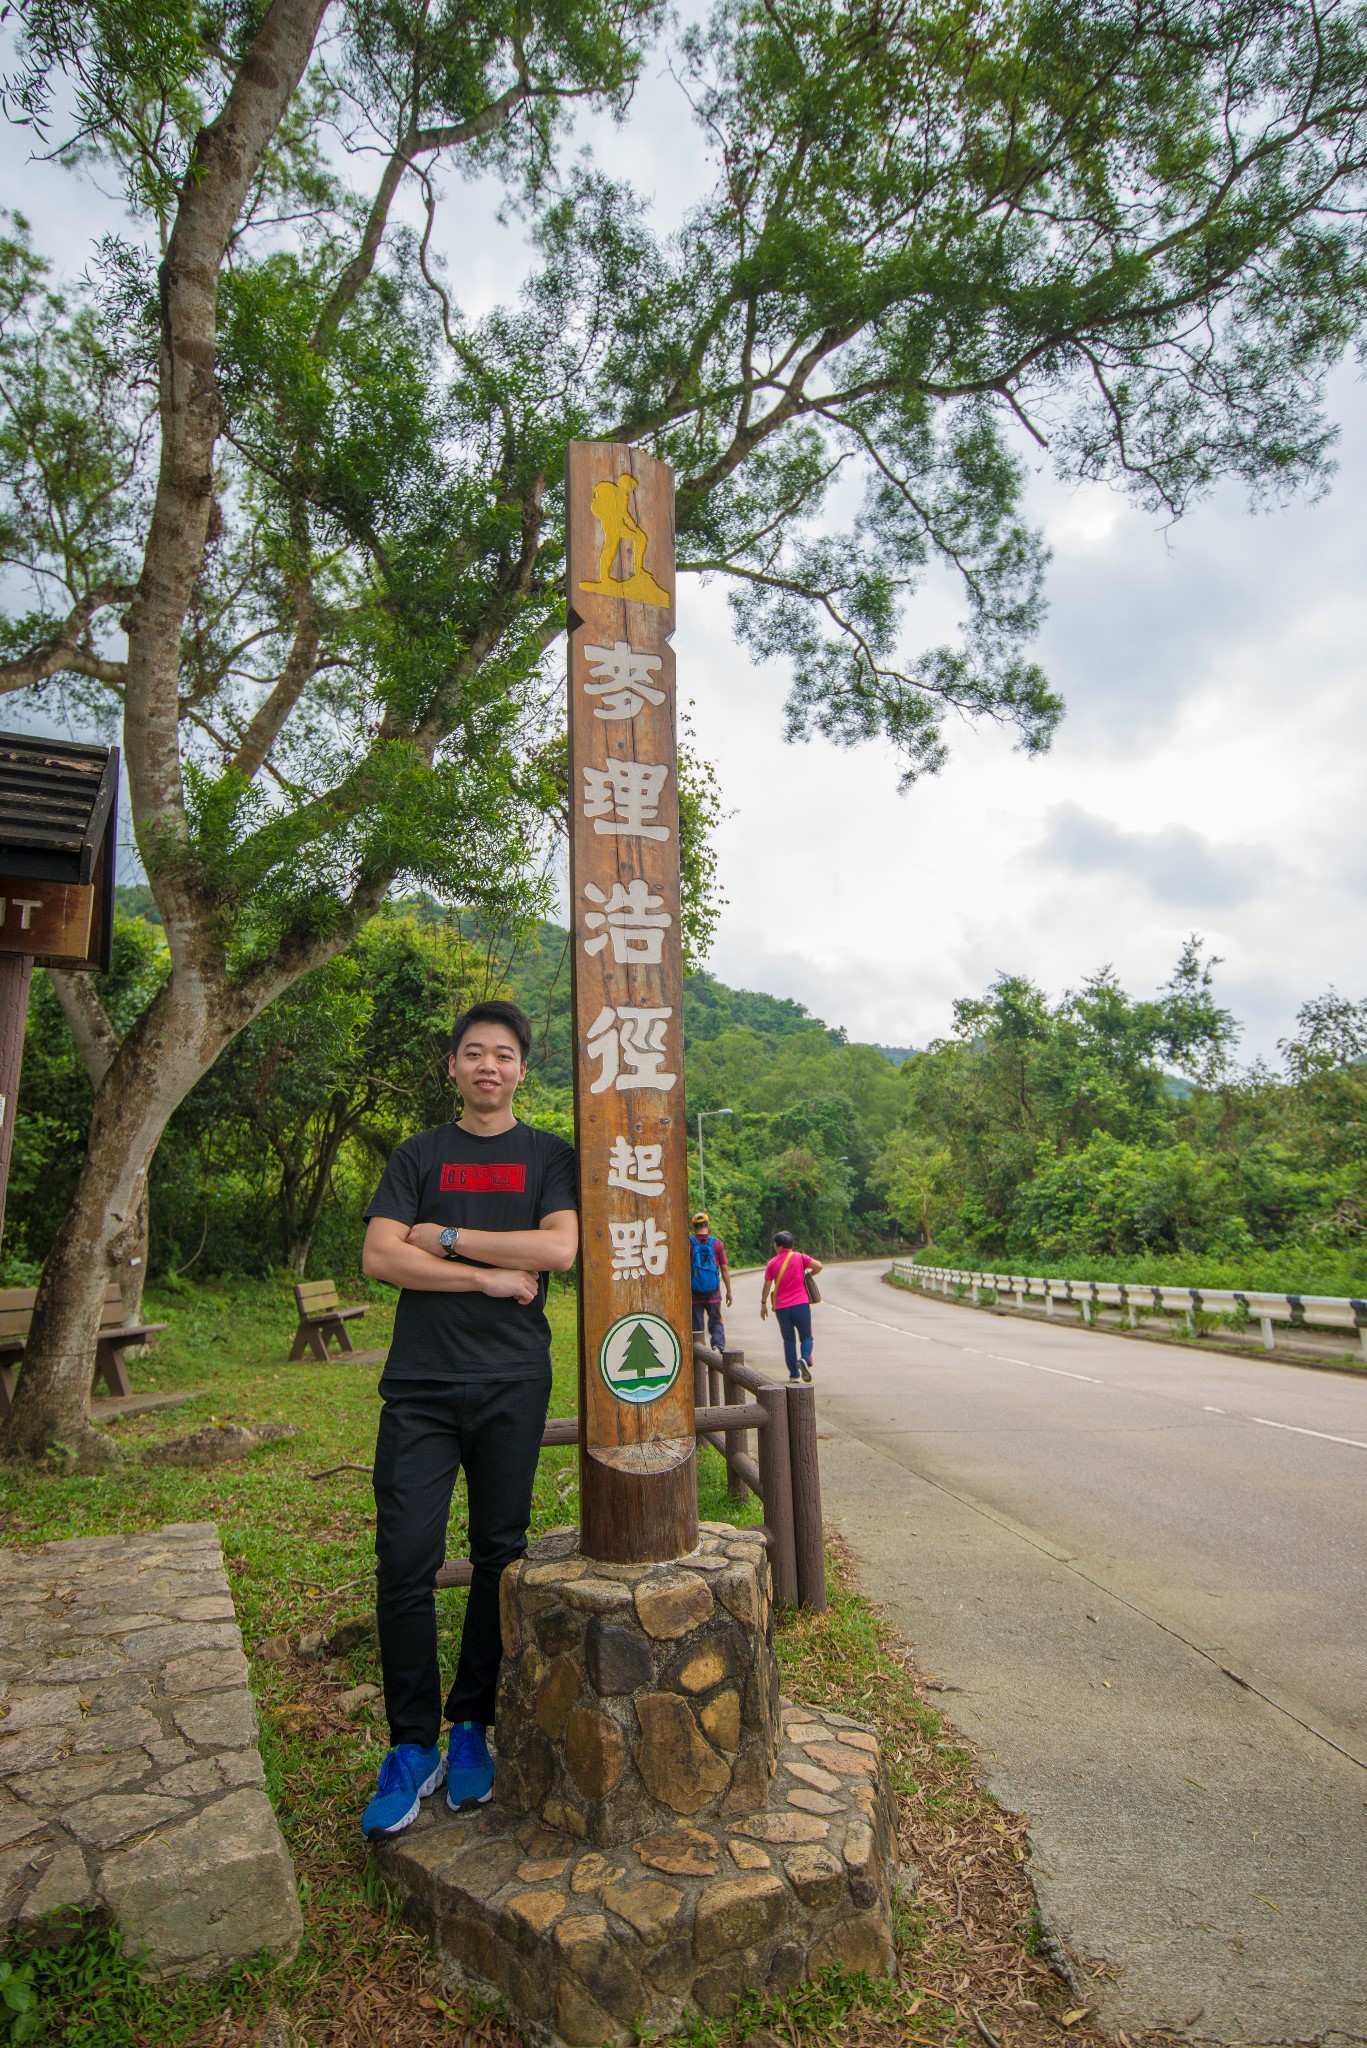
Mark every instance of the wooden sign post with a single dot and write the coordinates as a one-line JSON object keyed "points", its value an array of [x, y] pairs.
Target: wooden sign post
{"points": [[638, 1482]]}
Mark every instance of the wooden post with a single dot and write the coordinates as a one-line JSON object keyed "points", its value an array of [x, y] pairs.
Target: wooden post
{"points": [[637, 1456], [807, 1530], [16, 972], [776, 1492]]}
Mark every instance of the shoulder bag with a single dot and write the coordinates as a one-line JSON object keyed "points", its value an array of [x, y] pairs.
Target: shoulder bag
{"points": [[808, 1281]]}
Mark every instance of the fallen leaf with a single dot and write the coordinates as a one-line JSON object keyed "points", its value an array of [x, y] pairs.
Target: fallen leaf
{"points": [[1267, 1902], [1070, 2019], [1196, 1782], [1107, 1683], [292, 1719]]}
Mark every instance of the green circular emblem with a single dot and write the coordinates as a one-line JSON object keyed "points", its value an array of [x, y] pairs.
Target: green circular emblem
{"points": [[639, 1359]]}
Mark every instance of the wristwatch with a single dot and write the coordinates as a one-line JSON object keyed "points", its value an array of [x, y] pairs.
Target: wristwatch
{"points": [[448, 1241]]}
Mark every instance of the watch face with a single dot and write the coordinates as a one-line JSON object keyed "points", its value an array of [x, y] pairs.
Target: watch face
{"points": [[448, 1238]]}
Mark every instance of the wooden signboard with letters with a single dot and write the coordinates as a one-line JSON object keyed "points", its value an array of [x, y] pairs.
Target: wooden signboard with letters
{"points": [[639, 1496], [51, 921]]}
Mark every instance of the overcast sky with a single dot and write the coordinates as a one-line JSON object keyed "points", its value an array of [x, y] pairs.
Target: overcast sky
{"points": [[1208, 775]]}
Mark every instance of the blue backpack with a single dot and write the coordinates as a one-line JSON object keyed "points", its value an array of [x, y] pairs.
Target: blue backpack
{"points": [[706, 1273]]}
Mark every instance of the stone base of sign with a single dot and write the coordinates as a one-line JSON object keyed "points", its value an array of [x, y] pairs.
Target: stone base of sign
{"points": [[131, 1787], [666, 1833]]}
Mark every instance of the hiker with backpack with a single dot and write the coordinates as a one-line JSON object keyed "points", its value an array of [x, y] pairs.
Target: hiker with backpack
{"points": [[709, 1274], [791, 1278]]}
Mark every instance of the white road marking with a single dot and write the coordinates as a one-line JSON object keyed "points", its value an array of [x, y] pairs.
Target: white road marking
{"points": [[1057, 1369], [1213, 1411], [949, 1345], [1322, 1434], [896, 1328]]}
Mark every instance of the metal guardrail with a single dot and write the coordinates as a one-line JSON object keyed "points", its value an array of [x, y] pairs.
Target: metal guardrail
{"points": [[1296, 1311], [784, 1472]]}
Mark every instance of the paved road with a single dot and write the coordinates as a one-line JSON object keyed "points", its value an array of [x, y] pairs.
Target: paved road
{"points": [[1084, 1537]]}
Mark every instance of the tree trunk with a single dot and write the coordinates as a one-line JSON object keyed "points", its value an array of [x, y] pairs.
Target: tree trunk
{"points": [[167, 1051], [303, 1226], [98, 1043]]}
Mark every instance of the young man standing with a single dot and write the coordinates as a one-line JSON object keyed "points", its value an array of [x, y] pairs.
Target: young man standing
{"points": [[709, 1274], [467, 1221]]}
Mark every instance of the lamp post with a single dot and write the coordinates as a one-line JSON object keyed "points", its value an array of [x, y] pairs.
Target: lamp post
{"points": [[843, 1159], [702, 1177]]}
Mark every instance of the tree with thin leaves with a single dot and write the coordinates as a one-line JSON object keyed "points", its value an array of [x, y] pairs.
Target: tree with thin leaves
{"points": [[323, 506]]}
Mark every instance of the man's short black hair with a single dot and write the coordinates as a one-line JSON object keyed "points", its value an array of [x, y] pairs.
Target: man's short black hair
{"points": [[783, 1239], [508, 1014]]}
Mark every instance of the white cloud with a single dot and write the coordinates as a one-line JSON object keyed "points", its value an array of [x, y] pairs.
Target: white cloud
{"points": [[1175, 864]]}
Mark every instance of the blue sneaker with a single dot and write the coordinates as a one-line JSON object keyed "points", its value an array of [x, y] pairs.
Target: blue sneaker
{"points": [[469, 1767], [407, 1775]]}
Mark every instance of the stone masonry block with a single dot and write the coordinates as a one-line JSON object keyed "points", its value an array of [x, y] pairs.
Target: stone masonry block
{"points": [[648, 1862], [130, 1781], [215, 1890]]}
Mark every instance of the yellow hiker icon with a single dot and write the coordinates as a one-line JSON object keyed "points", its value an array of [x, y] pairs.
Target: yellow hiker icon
{"points": [[621, 529]]}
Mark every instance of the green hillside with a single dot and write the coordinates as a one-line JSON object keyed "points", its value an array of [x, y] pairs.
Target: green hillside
{"points": [[1094, 1132]]}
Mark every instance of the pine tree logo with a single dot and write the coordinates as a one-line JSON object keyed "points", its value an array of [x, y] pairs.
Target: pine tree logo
{"points": [[640, 1359]]}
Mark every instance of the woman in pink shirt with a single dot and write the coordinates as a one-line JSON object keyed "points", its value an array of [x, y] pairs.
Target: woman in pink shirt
{"points": [[786, 1276]]}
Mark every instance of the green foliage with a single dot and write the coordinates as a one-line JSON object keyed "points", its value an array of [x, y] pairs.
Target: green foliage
{"points": [[924, 229], [20, 2015], [55, 1097], [1040, 1132], [1058, 1136], [1136, 233], [283, 1140]]}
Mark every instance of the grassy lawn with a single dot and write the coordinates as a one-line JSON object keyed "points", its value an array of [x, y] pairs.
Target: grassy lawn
{"points": [[299, 1555]]}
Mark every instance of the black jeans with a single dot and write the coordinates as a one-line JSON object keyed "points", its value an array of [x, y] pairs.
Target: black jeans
{"points": [[428, 1430]]}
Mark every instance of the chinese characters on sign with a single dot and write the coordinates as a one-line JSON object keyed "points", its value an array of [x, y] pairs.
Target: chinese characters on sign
{"points": [[624, 798], [635, 922], [622, 680], [634, 1287], [636, 1167], [630, 1044]]}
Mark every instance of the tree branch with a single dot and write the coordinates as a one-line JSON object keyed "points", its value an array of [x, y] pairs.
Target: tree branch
{"points": [[301, 663], [96, 1039], [223, 165], [68, 652]]}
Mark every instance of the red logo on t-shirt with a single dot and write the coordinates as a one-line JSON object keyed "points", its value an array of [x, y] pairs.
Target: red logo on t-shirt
{"points": [[484, 1180]]}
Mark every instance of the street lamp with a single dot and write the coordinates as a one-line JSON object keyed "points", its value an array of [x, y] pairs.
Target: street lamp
{"points": [[702, 1177]]}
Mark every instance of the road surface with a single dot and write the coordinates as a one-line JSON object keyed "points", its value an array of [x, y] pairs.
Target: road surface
{"points": [[1139, 1573]]}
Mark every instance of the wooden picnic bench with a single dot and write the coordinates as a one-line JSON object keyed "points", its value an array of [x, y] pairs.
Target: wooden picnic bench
{"points": [[323, 1319], [116, 1336]]}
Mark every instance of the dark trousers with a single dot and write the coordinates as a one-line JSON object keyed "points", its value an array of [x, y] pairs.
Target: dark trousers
{"points": [[796, 1325], [427, 1432], [707, 1311]]}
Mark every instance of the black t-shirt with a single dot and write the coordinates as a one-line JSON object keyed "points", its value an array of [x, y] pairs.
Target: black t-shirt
{"points": [[450, 1176]]}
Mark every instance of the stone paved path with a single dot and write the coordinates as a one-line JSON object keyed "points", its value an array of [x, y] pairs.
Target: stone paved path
{"points": [[130, 1781]]}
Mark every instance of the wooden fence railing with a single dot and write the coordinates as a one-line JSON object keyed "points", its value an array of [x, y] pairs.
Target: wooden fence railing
{"points": [[783, 1472], [1295, 1311]]}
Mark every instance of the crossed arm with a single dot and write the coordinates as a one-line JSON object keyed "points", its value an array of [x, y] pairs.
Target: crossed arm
{"points": [[510, 1260]]}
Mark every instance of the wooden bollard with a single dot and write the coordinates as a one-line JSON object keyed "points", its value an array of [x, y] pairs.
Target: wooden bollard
{"points": [[806, 1497], [736, 1439], [776, 1485]]}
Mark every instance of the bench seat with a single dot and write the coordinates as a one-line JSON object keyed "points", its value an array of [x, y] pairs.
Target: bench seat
{"points": [[323, 1320], [115, 1337]]}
